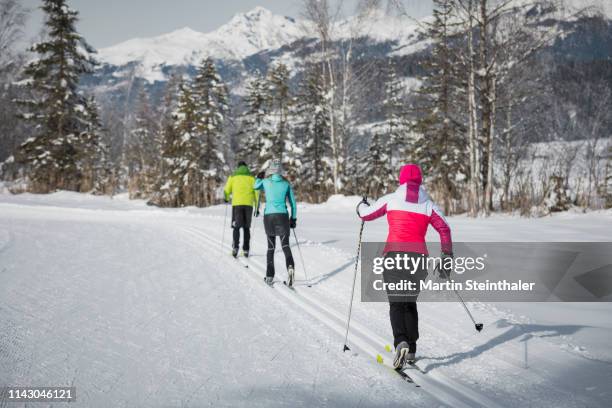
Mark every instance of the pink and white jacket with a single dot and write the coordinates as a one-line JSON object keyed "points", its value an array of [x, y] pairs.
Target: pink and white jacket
{"points": [[409, 212]]}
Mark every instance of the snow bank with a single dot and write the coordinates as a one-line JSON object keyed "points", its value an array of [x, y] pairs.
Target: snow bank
{"points": [[337, 202]]}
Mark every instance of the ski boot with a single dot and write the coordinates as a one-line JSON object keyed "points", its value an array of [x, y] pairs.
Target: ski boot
{"points": [[411, 356], [401, 355], [245, 254], [291, 273], [235, 252], [269, 280]]}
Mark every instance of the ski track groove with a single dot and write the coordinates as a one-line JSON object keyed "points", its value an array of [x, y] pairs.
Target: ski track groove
{"points": [[436, 384], [511, 359]]}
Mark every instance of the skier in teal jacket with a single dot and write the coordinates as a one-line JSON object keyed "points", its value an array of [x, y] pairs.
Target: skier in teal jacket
{"points": [[277, 221]]}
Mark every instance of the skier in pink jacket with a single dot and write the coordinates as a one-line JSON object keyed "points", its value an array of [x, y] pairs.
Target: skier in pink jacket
{"points": [[409, 212]]}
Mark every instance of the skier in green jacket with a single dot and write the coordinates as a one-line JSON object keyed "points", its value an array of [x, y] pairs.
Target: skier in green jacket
{"points": [[244, 197]]}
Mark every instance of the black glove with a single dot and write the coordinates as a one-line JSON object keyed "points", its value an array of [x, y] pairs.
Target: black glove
{"points": [[226, 200], [364, 201], [292, 223], [261, 175], [445, 269], [257, 212]]}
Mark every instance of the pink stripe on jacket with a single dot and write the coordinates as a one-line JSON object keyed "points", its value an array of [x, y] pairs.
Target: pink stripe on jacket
{"points": [[409, 212]]}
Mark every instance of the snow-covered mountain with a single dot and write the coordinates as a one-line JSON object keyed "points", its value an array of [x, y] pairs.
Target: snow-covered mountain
{"points": [[261, 31], [244, 35], [250, 42]]}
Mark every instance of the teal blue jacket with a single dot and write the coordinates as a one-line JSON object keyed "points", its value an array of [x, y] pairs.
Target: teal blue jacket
{"points": [[278, 191]]}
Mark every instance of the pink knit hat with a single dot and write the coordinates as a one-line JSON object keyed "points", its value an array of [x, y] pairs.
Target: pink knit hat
{"points": [[410, 174]]}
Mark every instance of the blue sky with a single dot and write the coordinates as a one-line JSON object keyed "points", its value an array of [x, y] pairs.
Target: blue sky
{"points": [[107, 22]]}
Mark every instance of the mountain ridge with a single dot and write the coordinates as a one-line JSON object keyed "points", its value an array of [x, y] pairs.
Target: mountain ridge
{"points": [[250, 42], [244, 35]]}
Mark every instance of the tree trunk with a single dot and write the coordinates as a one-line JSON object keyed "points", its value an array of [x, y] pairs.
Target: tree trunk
{"points": [[332, 122], [473, 143], [489, 190], [485, 92], [508, 159]]}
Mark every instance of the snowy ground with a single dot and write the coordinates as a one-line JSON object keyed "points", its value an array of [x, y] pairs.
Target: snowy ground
{"points": [[137, 306]]}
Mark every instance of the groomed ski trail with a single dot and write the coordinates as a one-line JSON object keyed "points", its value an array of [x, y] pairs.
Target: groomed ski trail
{"points": [[439, 386], [153, 323]]}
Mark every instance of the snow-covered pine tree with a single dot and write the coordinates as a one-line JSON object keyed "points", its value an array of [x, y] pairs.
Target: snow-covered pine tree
{"points": [[282, 143], [142, 150], [376, 168], [395, 125], [389, 138], [556, 198], [391, 134], [186, 174], [439, 145], [316, 181], [210, 96], [13, 16], [93, 161], [166, 191], [255, 127], [55, 106], [356, 184]]}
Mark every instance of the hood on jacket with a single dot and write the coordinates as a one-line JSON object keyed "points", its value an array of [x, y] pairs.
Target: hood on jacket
{"points": [[242, 171], [276, 167], [410, 174]]}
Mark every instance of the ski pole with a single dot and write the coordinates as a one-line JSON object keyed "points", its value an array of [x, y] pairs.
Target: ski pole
{"points": [[224, 226], [348, 320], [478, 326], [301, 257], [254, 223]]}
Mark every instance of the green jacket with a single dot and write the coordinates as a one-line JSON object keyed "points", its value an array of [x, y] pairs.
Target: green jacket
{"points": [[240, 186]]}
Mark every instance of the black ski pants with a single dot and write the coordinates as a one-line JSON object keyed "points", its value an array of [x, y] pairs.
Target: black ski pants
{"points": [[241, 219], [403, 312], [246, 239], [284, 239], [404, 322]]}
